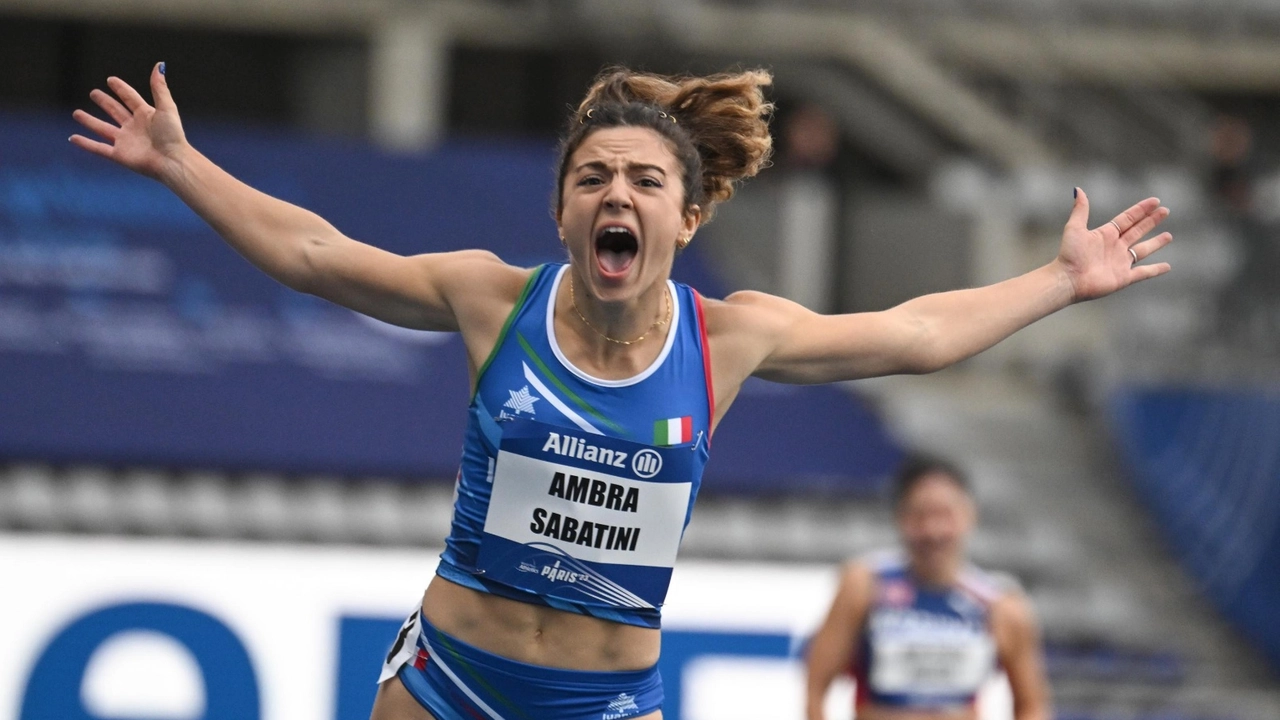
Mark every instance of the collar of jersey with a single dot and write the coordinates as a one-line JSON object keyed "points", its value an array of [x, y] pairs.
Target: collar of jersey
{"points": [[624, 382]]}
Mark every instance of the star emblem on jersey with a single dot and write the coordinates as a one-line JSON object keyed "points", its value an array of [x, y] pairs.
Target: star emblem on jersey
{"points": [[521, 401]]}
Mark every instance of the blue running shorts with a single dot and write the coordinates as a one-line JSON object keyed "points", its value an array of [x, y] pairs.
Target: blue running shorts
{"points": [[457, 681]]}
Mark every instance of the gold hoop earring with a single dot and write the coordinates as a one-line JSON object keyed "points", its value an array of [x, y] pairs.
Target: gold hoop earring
{"points": [[684, 242]]}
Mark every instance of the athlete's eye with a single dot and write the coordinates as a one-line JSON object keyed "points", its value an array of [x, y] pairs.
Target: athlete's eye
{"points": [[650, 182], [591, 180]]}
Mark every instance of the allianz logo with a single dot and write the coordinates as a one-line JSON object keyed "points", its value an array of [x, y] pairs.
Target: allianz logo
{"points": [[645, 464], [569, 446]]}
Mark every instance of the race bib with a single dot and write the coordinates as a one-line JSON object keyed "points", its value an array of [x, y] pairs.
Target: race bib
{"points": [[944, 665], [585, 518]]}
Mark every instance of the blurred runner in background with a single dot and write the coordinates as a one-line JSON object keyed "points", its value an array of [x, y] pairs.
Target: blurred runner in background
{"points": [[921, 629]]}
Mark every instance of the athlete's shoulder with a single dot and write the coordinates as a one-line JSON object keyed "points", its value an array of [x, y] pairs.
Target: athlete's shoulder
{"points": [[759, 308], [478, 288], [482, 266], [867, 570], [884, 561], [989, 585], [480, 275], [855, 588], [1013, 614], [743, 329]]}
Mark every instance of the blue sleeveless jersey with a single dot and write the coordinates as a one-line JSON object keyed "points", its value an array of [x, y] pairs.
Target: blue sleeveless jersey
{"points": [[925, 648], [574, 491]]}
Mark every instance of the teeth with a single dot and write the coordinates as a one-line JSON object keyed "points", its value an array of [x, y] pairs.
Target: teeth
{"points": [[617, 230]]}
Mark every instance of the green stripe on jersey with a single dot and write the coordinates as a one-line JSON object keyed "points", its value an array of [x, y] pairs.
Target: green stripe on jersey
{"points": [[551, 378], [506, 326]]}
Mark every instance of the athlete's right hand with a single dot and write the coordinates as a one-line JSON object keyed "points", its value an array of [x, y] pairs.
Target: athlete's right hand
{"points": [[145, 139]]}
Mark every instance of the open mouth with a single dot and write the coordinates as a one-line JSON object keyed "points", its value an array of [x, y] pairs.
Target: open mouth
{"points": [[616, 249]]}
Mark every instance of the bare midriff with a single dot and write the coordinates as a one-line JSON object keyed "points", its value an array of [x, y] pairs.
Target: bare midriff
{"points": [[536, 634], [885, 712]]}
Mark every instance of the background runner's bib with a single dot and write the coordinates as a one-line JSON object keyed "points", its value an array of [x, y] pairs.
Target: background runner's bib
{"points": [[926, 648], [583, 517], [937, 662]]}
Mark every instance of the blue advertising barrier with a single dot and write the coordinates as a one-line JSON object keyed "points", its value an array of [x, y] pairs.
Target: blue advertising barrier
{"points": [[130, 334], [53, 689], [1207, 463], [364, 642], [230, 685]]}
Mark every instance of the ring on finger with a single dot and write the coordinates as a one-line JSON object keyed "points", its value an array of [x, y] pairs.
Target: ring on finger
{"points": [[1118, 230], [1133, 254]]}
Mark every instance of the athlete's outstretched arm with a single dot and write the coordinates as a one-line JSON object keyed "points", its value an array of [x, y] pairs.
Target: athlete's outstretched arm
{"points": [[1021, 655], [791, 344], [291, 244], [832, 646]]}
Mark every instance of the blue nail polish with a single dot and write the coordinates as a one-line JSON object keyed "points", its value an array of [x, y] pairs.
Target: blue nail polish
{"points": [[161, 68], [1075, 192]]}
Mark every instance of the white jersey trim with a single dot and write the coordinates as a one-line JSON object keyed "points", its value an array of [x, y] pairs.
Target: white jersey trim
{"points": [[586, 377], [884, 559], [557, 402], [981, 584], [453, 677]]}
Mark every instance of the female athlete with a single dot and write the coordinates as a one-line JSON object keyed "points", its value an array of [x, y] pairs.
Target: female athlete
{"points": [[922, 631], [598, 383]]}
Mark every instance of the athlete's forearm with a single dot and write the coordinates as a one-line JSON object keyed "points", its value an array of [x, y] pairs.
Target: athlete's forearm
{"points": [[962, 323], [821, 670], [1039, 713], [1030, 690], [815, 705], [279, 238]]}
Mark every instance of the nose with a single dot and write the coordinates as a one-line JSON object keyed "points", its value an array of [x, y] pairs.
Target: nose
{"points": [[618, 195], [938, 530]]}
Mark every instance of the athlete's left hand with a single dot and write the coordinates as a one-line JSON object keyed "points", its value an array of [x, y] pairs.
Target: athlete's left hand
{"points": [[1098, 262]]}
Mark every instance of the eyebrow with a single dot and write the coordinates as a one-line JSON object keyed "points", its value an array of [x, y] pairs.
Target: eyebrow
{"points": [[597, 165]]}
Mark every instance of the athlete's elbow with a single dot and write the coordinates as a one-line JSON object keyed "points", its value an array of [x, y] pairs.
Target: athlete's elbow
{"points": [[925, 355], [931, 362], [916, 346], [305, 270], [933, 349]]}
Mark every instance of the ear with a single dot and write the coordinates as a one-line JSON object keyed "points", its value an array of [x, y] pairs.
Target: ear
{"points": [[692, 219]]}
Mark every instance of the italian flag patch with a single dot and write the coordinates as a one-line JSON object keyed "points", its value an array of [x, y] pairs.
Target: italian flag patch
{"points": [[673, 431]]}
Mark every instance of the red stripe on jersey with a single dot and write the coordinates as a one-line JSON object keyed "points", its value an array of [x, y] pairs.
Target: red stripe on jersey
{"points": [[861, 687], [706, 364]]}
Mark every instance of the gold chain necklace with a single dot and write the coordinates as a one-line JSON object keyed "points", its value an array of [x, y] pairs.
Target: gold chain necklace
{"points": [[662, 319]]}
